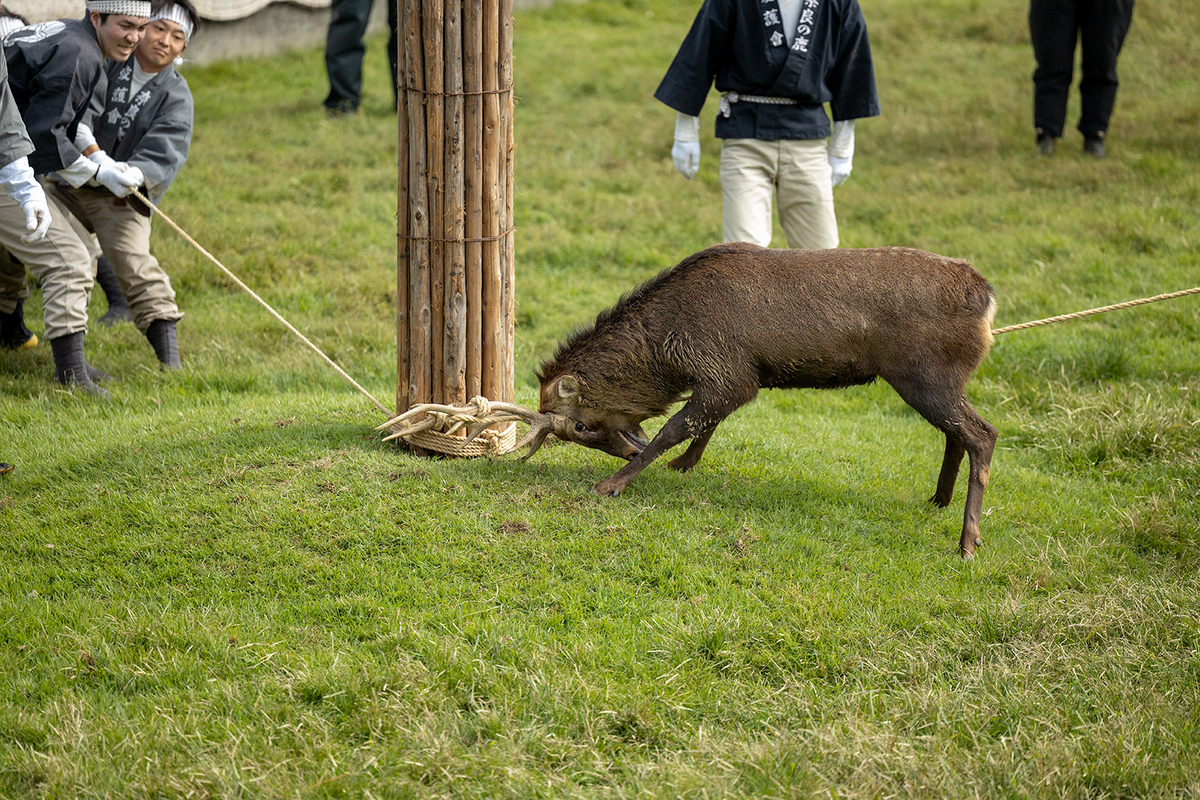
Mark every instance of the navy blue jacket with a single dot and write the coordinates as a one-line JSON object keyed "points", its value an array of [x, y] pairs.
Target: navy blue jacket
{"points": [[735, 44], [53, 70]]}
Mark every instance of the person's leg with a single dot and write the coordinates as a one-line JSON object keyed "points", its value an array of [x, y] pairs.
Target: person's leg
{"points": [[14, 291], [344, 52], [62, 264], [1103, 28], [806, 195], [748, 168], [14, 287], [394, 48], [1053, 29], [125, 238], [118, 306]]}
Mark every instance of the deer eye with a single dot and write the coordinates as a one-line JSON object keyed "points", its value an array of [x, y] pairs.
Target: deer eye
{"points": [[580, 427]]}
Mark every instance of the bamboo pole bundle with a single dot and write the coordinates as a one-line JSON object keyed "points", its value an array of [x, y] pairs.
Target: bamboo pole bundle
{"points": [[455, 253]]}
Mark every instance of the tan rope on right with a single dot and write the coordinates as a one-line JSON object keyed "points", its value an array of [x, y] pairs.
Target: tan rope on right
{"points": [[1115, 307]]}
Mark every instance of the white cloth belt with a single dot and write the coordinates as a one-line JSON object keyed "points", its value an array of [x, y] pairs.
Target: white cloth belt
{"points": [[729, 98]]}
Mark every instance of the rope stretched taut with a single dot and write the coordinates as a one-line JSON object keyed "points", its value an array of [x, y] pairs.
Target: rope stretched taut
{"points": [[1079, 314], [261, 302]]}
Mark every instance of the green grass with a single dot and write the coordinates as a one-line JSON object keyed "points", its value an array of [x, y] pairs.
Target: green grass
{"points": [[222, 584]]}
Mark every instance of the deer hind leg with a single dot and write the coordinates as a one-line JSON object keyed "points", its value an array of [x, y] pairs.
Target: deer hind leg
{"points": [[949, 474], [947, 410], [980, 442]]}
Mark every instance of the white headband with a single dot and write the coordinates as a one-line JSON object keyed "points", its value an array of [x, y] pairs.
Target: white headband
{"points": [[173, 12], [133, 8]]}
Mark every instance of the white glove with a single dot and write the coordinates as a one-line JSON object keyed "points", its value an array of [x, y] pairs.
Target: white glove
{"points": [[686, 151], [102, 158], [18, 182], [841, 169], [841, 151], [37, 217], [134, 174], [117, 178], [687, 158]]}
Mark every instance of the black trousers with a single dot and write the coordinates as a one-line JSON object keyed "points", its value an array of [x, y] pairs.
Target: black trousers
{"points": [[344, 51], [1054, 26]]}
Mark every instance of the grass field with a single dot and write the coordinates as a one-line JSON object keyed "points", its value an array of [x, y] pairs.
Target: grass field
{"points": [[222, 584]]}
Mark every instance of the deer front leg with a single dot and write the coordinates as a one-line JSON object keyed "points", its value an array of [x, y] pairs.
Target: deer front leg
{"points": [[671, 434], [697, 420]]}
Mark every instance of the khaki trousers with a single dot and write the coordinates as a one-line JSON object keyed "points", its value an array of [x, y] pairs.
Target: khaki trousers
{"points": [[796, 173], [124, 236], [60, 262]]}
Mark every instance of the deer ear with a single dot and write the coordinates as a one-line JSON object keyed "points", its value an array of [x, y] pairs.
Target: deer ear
{"points": [[568, 387]]}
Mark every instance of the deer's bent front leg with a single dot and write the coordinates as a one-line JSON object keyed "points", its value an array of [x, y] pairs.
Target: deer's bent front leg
{"points": [[696, 420]]}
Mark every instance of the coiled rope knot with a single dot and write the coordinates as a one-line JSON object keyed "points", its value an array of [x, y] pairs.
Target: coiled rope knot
{"points": [[438, 429]]}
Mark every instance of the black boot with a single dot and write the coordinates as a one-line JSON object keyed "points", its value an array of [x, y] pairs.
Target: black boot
{"points": [[70, 368], [118, 306], [161, 334], [13, 333]]}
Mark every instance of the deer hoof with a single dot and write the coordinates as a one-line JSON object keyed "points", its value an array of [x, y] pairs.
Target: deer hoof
{"points": [[967, 546], [607, 487]]}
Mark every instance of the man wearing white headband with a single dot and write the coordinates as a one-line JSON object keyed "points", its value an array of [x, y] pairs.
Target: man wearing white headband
{"points": [[143, 124], [53, 70]]}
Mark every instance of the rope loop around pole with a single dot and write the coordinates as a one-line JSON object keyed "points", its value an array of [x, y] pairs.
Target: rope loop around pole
{"points": [[437, 427]]}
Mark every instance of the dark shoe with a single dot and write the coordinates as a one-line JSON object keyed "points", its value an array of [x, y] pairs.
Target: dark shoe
{"points": [[13, 333], [1093, 145], [1045, 144], [343, 108], [118, 306], [98, 375], [70, 368], [161, 334]]}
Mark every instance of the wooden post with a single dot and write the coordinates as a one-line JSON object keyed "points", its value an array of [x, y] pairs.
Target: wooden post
{"points": [[454, 348], [473, 127], [508, 312], [414, 241], [455, 256], [493, 319]]}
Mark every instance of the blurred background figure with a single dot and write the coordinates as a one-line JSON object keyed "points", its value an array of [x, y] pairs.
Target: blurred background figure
{"points": [[344, 50], [1054, 27]]}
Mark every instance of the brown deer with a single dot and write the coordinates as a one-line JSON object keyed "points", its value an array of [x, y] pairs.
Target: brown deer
{"points": [[736, 317]]}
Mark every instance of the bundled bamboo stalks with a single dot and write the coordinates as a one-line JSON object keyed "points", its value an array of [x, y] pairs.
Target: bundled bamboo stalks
{"points": [[455, 322]]}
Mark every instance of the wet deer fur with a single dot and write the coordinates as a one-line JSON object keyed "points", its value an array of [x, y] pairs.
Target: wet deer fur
{"points": [[736, 318]]}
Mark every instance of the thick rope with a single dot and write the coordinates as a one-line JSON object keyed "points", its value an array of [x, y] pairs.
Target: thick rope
{"points": [[437, 429], [262, 302], [1078, 314]]}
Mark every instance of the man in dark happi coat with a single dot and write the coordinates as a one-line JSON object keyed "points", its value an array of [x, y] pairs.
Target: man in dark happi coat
{"points": [[53, 69], [776, 63], [143, 121]]}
